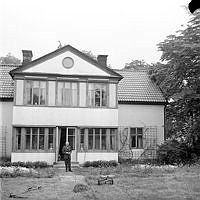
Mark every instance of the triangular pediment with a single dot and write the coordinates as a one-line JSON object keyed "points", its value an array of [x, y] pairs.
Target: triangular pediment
{"points": [[53, 64]]}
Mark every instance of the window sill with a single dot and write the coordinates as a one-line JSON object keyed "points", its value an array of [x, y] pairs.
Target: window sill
{"points": [[34, 151], [98, 151]]}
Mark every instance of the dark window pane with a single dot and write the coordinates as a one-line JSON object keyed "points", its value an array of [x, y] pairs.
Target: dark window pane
{"points": [[103, 139], [139, 131], [113, 133], [34, 138], [133, 131], [104, 96], [133, 141], [97, 97], [42, 96], [27, 138], [97, 138], [82, 139], [41, 138], [71, 137], [90, 138], [18, 139], [50, 139]]}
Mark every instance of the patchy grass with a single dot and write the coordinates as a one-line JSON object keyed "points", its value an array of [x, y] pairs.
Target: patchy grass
{"points": [[145, 182], [6, 172], [130, 182]]}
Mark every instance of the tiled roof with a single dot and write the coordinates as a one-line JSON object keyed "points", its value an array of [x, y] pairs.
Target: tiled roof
{"points": [[6, 82], [136, 86]]}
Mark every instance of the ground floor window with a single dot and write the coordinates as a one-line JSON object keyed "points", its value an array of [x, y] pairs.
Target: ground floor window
{"points": [[136, 138], [34, 139], [102, 139]]}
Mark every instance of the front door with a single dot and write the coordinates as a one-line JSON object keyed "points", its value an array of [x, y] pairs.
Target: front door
{"points": [[68, 134]]}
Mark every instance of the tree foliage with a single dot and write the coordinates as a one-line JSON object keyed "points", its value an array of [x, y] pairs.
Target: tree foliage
{"points": [[89, 54], [9, 59], [179, 79], [137, 65]]}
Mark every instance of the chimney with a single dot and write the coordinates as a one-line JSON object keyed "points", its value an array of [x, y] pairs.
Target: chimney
{"points": [[27, 56], [102, 60]]}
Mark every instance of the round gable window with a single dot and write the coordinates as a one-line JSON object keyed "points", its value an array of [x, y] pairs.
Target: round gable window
{"points": [[68, 62]]}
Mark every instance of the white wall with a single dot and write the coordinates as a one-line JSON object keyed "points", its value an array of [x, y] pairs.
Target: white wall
{"points": [[20, 92], [6, 109], [24, 157], [141, 116], [59, 116], [93, 156]]}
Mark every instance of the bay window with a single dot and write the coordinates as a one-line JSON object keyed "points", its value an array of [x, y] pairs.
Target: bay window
{"points": [[100, 139], [67, 93], [35, 92], [34, 139], [97, 95]]}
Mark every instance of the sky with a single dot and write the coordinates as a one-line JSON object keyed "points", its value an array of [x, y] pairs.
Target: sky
{"points": [[125, 30]]}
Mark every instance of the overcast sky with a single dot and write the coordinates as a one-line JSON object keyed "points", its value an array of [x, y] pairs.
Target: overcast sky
{"points": [[122, 29]]}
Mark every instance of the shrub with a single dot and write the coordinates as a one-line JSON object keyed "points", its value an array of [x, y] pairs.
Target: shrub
{"points": [[37, 164], [174, 152], [100, 163]]}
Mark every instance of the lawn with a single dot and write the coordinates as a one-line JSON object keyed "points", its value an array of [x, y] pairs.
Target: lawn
{"points": [[129, 183]]}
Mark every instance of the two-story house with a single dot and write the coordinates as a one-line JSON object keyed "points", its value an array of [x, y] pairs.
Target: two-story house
{"points": [[68, 96]]}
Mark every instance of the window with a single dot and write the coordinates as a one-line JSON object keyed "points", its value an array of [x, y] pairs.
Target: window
{"points": [[99, 139], [97, 94], [71, 137], [35, 92], [50, 138], [82, 136], [90, 138], [18, 138], [67, 93], [136, 135], [103, 139], [113, 135], [35, 139], [28, 139]]}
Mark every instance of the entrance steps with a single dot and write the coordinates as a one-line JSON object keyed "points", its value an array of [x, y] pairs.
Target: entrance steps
{"points": [[61, 164]]}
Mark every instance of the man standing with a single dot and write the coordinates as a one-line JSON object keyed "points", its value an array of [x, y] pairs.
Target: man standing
{"points": [[66, 150]]}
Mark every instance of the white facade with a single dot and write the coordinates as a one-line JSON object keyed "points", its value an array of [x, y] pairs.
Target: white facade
{"points": [[40, 130], [145, 117], [43, 116]]}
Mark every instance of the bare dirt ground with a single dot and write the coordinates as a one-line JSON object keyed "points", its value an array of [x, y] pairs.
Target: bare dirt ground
{"points": [[129, 183]]}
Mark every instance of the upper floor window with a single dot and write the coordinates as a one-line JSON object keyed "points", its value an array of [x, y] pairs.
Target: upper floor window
{"points": [[97, 95], [67, 93], [35, 92]]}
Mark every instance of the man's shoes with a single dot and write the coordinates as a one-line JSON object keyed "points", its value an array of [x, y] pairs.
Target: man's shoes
{"points": [[70, 170]]}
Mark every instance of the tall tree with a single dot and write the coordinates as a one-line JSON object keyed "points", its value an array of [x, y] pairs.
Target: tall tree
{"points": [[179, 79], [9, 59], [137, 65]]}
